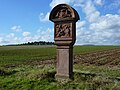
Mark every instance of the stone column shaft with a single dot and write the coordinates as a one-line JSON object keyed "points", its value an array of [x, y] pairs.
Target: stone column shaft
{"points": [[64, 62]]}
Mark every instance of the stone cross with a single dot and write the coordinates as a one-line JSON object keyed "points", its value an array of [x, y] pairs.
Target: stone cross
{"points": [[64, 18]]}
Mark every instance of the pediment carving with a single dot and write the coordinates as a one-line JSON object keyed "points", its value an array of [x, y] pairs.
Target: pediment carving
{"points": [[63, 12]]}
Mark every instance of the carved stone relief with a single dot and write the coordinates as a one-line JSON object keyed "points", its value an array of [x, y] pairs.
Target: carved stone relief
{"points": [[64, 18], [63, 30], [63, 13]]}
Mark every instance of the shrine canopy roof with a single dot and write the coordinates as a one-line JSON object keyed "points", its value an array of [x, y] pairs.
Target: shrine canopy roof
{"points": [[63, 12]]}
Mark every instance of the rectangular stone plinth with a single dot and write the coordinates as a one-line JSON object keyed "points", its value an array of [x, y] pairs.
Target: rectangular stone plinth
{"points": [[64, 62]]}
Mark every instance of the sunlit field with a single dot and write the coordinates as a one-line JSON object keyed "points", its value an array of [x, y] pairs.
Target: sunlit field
{"points": [[33, 68]]}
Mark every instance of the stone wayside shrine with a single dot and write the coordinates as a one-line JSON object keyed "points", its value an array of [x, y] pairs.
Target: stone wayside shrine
{"points": [[64, 18]]}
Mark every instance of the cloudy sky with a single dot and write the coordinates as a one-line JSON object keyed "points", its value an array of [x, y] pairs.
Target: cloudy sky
{"points": [[28, 20]]}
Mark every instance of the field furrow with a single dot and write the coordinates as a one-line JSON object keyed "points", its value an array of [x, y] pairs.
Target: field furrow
{"points": [[107, 57]]}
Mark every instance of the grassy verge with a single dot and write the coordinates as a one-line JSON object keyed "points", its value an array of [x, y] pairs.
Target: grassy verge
{"points": [[41, 77], [35, 76]]}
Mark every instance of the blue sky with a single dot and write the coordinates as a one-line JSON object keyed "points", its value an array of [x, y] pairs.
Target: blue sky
{"points": [[28, 20]]}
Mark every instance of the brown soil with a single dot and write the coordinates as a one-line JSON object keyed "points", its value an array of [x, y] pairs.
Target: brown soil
{"points": [[106, 57]]}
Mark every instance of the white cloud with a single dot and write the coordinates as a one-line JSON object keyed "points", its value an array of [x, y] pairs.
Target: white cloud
{"points": [[26, 34], [44, 35], [16, 28], [55, 2], [10, 35], [44, 17], [28, 39], [118, 11], [105, 31], [80, 24], [116, 4], [1, 39], [99, 29], [8, 39], [93, 29], [88, 8], [41, 35], [99, 2], [107, 22], [91, 13]]}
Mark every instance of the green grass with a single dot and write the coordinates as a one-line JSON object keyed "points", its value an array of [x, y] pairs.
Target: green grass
{"points": [[89, 49], [19, 54], [41, 77], [104, 70]]}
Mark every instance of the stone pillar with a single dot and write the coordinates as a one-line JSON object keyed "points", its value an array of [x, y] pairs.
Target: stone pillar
{"points": [[64, 18], [64, 62]]}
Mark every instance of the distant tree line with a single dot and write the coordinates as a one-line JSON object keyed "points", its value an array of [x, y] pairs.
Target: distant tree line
{"points": [[33, 43], [38, 43]]}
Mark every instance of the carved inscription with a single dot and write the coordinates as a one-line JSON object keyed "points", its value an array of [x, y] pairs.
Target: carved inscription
{"points": [[63, 30], [63, 13]]}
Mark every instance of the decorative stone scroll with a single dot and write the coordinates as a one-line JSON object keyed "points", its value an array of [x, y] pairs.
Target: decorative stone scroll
{"points": [[64, 18]]}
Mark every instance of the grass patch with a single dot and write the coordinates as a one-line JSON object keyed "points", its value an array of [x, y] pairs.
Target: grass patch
{"points": [[20, 54], [100, 70], [90, 49], [19, 76], [42, 77]]}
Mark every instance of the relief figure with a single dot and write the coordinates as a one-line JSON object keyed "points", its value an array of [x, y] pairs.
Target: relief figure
{"points": [[63, 13], [62, 30]]}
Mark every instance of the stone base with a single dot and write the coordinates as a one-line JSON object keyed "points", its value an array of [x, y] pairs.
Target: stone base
{"points": [[63, 79]]}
